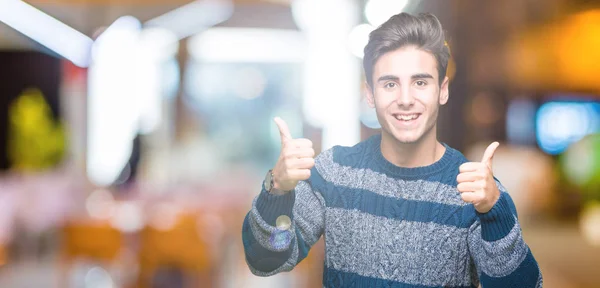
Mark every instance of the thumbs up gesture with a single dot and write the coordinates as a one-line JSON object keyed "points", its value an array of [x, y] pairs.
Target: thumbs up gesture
{"points": [[295, 160], [476, 182]]}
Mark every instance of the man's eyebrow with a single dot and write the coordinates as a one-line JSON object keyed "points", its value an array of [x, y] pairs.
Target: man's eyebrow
{"points": [[396, 78], [421, 76], [388, 77]]}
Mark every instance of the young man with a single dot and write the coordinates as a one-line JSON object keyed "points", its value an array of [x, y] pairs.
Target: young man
{"points": [[399, 209]]}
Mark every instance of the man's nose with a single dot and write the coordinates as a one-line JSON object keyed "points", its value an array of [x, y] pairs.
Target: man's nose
{"points": [[405, 98]]}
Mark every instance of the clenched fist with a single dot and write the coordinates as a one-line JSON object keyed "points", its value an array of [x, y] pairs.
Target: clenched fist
{"points": [[476, 182], [295, 160]]}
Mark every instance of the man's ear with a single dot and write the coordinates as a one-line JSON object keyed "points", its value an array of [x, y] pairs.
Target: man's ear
{"points": [[444, 91], [370, 96]]}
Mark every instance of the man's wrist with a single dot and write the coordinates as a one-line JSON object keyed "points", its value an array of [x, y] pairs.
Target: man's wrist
{"points": [[277, 191], [272, 186], [490, 205], [271, 206], [498, 222]]}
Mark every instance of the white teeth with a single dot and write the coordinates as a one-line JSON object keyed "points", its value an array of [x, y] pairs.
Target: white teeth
{"points": [[407, 117]]}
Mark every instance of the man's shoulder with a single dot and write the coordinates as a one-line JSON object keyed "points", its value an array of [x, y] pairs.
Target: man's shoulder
{"points": [[456, 155], [332, 162]]}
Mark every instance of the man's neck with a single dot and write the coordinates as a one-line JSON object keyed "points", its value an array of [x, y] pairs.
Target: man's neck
{"points": [[410, 155]]}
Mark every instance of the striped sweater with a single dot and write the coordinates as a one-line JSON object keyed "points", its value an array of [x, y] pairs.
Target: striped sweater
{"points": [[388, 226]]}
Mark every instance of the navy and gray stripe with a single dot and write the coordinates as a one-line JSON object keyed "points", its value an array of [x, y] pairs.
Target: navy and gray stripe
{"points": [[423, 253], [500, 257], [384, 185]]}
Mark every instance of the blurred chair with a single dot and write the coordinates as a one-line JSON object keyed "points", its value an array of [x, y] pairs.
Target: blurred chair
{"points": [[3, 257], [96, 241], [178, 249]]}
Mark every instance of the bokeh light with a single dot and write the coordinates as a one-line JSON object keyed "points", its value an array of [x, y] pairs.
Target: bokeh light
{"points": [[97, 277], [580, 164], [100, 204], [561, 123], [358, 39], [128, 217], [379, 11], [251, 83], [590, 223], [164, 216]]}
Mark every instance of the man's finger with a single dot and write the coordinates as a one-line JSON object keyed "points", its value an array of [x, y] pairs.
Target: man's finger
{"points": [[488, 155], [470, 167], [467, 187], [470, 197], [300, 153], [299, 174], [284, 131], [469, 177], [301, 143], [302, 163]]}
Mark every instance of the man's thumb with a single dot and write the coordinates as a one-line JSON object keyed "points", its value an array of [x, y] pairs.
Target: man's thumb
{"points": [[488, 155], [284, 131]]}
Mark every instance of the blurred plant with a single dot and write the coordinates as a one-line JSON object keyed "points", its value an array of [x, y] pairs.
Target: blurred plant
{"points": [[580, 164], [36, 141]]}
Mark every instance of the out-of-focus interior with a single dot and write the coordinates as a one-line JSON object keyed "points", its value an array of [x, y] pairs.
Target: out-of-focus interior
{"points": [[134, 134]]}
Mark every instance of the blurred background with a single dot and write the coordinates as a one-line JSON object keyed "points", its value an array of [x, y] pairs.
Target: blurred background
{"points": [[134, 134]]}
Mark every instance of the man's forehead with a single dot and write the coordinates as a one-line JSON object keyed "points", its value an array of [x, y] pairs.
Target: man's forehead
{"points": [[405, 62]]}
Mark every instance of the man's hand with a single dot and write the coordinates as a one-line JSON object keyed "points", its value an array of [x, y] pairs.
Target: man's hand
{"points": [[476, 182], [295, 160]]}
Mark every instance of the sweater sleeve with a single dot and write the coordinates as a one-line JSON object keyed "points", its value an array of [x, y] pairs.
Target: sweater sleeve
{"points": [[501, 256], [270, 250]]}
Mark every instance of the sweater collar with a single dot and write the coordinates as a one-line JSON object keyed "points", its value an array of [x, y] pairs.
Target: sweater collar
{"points": [[413, 172]]}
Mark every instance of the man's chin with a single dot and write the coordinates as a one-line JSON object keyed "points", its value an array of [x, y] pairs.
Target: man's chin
{"points": [[403, 137], [407, 139]]}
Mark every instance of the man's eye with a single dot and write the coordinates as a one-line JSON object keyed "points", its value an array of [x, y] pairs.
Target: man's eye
{"points": [[390, 85], [421, 83]]}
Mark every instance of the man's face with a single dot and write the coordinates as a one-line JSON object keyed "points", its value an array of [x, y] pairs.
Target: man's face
{"points": [[406, 93]]}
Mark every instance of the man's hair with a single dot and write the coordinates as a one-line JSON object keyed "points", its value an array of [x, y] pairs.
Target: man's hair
{"points": [[423, 31]]}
